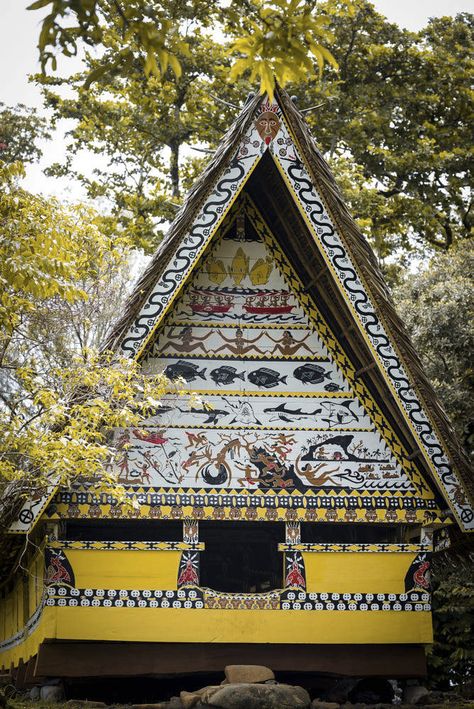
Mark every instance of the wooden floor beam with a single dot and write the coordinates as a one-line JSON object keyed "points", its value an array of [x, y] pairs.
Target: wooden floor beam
{"points": [[117, 659]]}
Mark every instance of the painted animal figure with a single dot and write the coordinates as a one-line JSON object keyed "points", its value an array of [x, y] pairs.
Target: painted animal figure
{"points": [[212, 415], [154, 438], [284, 413], [265, 377], [310, 373], [56, 573], [338, 413], [226, 375], [187, 370]]}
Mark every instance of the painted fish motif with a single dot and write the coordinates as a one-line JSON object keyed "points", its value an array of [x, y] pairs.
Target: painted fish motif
{"points": [[284, 413], [332, 387], [239, 267], [265, 377], [186, 370], [226, 375], [311, 374], [212, 415]]}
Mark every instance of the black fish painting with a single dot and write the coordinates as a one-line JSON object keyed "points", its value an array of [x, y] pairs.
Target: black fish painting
{"points": [[186, 370], [284, 413], [265, 377], [311, 374], [332, 387], [212, 415], [226, 375]]}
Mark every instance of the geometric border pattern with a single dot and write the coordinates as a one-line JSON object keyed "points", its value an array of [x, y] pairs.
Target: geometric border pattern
{"points": [[358, 548], [126, 546], [199, 497], [198, 598]]}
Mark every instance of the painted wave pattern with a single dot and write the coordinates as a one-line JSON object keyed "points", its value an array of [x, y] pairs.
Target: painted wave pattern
{"points": [[286, 153]]}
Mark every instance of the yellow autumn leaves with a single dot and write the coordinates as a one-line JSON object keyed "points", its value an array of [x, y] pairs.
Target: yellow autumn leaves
{"points": [[276, 40], [282, 44]]}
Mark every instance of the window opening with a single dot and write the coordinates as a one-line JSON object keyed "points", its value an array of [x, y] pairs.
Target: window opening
{"points": [[241, 557]]}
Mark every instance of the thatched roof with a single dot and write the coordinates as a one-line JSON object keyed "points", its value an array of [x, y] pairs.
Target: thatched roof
{"points": [[358, 249], [191, 205]]}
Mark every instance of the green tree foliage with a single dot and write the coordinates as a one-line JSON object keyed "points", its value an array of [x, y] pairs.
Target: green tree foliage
{"points": [[437, 306], [138, 127], [20, 130], [451, 658], [394, 119], [59, 399], [398, 113]]}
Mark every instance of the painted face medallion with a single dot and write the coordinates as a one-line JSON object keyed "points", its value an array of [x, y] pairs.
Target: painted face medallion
{"points": [[268, 125]]}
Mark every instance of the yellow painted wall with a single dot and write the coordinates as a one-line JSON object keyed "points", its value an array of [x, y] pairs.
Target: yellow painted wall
{"points": [[20, 602], [29, 646], [325, 572], [125, 569], [183, 625], [356, 572]]}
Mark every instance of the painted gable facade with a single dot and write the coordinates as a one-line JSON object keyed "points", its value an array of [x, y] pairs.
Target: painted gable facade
{"points": [[279, 438]]}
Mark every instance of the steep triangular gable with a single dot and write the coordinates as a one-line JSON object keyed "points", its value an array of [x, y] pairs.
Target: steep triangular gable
{"points": [[291, 435], [287, 157], [250, 341], [264, 130]]}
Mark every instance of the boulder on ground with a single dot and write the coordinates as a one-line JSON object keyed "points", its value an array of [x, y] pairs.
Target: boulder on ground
{"points": [[260, 696], [247, 674], [339, 692], [413, 693], [34, 693], [52, 693], [192, 699]]}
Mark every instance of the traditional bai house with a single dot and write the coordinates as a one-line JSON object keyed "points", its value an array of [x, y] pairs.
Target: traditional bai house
{"points": [[290, 518]]}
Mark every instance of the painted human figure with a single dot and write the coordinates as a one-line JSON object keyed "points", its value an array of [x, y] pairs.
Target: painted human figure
{"points": [[122, 445], [240, 346], [287, 345], [283, 445], [145, 474], [309, 472], [251, 476], [185, 341]]}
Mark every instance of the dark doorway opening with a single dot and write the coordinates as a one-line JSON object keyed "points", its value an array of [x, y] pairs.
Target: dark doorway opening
{"points": [[241, 557]]}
